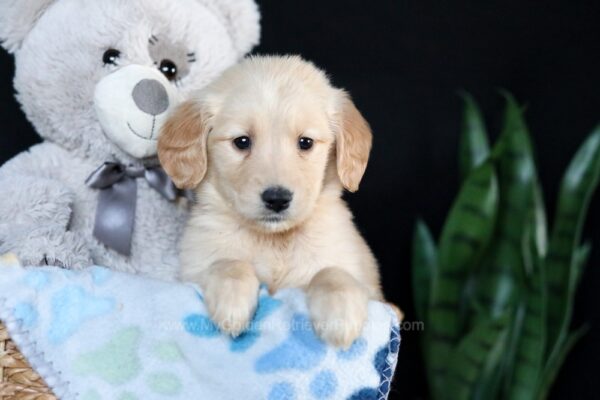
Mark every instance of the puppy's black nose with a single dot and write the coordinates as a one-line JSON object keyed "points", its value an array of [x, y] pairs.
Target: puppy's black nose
{"points": [[277, 198]]}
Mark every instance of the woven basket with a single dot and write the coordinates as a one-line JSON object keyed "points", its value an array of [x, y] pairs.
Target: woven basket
{"points": [[18, 381]]}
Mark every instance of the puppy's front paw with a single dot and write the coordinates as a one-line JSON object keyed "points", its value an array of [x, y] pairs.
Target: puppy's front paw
{"points": [[338, 312], [231, 296]]}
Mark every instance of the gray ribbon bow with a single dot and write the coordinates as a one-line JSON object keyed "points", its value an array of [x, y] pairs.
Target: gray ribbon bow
{"points": [[117, 200]]}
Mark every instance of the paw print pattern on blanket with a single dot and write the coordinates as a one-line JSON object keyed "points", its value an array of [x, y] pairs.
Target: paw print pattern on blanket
{"points": [[324, 385], [383, 363], [37, 279], [303, 350], [164, 384], [117, 362], [100, 275], [266, 306], [73, 306], [201, 326], [128, 396], [355, 351], [282, 391], [168, 352], [91, 395], [365, 394], [27, 314], [383, 366]]}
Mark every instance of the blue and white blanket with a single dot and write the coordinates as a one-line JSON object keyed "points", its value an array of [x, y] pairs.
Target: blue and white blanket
{"points": [[98, 334]]}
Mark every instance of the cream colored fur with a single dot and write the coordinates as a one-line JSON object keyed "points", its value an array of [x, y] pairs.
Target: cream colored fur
{"points": [[232, 242]]}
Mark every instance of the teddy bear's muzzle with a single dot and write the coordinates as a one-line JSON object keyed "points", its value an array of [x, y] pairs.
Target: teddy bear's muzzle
{"points": [[132, 104], [151, 97]]}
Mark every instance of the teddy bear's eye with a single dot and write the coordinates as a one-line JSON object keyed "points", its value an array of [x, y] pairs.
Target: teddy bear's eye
{"points": [[111, 57], [169, 69]]}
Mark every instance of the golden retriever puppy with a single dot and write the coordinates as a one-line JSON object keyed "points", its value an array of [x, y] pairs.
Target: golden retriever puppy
{"points": [[269, 147]]}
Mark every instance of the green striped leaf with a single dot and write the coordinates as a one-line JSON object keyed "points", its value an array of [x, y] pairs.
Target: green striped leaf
{"points": [[502, 269], [565, 341], [524, 359], [556, 361], [475, 363], [527, 366], [582, 255], [424, 265], [540, 221], [562, 269], [474, 147], [465, 235]]}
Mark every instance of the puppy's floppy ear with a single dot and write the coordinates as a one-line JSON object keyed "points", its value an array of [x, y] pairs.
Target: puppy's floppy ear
{"points": [[17, 18], [353, 144], [182, 145]]}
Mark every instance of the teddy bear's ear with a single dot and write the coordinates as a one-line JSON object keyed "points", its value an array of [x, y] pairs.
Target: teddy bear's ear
{"points": [[242, 18], [17, 17]]}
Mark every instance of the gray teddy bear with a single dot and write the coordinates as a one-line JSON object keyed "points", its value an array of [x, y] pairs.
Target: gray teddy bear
{"points": [[97, 80]]}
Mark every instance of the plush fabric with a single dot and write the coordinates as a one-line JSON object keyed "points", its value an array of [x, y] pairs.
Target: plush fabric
{"points": [[85, 111], [99, 334]]}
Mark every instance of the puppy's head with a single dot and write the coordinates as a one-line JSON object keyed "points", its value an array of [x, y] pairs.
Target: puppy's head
{"points": [[271, 135]]}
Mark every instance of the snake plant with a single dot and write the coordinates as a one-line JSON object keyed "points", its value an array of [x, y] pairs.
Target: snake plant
{"points": [[496, 291]]}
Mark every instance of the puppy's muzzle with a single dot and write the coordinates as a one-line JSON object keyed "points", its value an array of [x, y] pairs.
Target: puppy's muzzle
{"points": [[277, 199]]}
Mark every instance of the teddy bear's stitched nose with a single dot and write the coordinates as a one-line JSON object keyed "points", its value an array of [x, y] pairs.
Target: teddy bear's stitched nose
{"points": [[151, 97]]}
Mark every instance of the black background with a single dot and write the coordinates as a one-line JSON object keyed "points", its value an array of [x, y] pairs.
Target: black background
{"points": [[403, 62]]}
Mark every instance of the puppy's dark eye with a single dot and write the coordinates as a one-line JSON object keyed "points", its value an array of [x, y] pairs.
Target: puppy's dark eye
{"points": [[306, 143], [111, 57], [169, 69], [243, 142]]}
